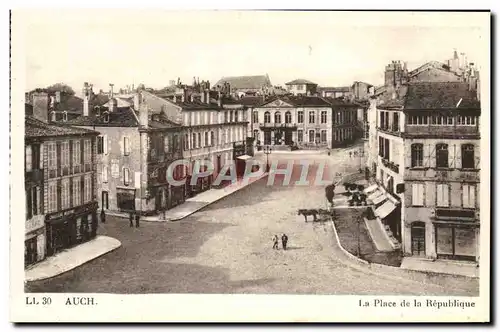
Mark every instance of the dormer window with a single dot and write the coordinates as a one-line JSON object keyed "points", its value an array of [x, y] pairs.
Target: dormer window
{"points": [[105, 117], [97, 110], [65, 116], [52, 116]]}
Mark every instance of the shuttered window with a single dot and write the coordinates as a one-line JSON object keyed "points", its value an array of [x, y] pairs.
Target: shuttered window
{"points": [[417, 196]]}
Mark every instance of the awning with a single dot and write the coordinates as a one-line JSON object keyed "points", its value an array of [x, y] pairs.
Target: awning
{"points": [[244, 157], [379, 199], [384, 210], [370, 189], [374, 195]]}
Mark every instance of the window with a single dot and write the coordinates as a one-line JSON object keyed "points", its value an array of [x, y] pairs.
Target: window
{"points": [[417, 155], [418, 120], [126, 146], [417, 194], [236, 116], [288, 117], [267, 117], [255, 117], [105, 117], [76, 153], [311, 136], [386, 149], [166, 144], [468, 156], [52, 155], [65, 154], [231, 116], [277, 117], [442, 195], [225, 116], [186, 142], [52, 197], [300, 87], [104, 175], [256, 135], [300, 117], [65, 116], [380, 146], [469, 196], [323, 136], [206, 138], [126, 176], [300, 136], [194, 141], [28, 158], [212, 138], [442, 155], [65, 194], [87, 189], [323, 116], [466, 120], [87, 152], [53, 116], [226, 137], [395, 122], [100, 145], [199, 140], [311, 117], [176, 145]]}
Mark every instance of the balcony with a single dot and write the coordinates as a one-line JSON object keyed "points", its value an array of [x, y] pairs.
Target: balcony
{"points": [[441, 131], [392, 130], [391, 165], [277, 125]]}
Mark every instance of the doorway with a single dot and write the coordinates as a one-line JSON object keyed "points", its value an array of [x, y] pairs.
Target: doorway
{"points": [[288, 137], [418, 239]]}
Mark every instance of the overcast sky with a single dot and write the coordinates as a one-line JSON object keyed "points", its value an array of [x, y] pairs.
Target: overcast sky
{"points": [[153, 47]]}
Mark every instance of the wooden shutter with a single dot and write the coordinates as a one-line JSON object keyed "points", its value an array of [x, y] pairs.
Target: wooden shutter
{"points": [[458, 156], [451, 155], [58, 159], [429, 155]]}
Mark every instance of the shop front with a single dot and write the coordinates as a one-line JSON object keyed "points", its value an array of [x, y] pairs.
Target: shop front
{"points": [[240, 158], [70, 227], [456, 240], [125, 198], [34, 240]]}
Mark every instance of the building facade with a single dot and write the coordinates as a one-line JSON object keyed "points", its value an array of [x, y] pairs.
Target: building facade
{"points": [[60, 180], [301, 87], [429, 162]]}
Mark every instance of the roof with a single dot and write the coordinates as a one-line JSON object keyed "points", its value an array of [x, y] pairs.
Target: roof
{"points": [[121, 117], [35, 128], [440, 95], [300, 81], [246, 82], [69, 103], [244, 101], [339, 102], [301, 101], [335, 89], [28, 109]]}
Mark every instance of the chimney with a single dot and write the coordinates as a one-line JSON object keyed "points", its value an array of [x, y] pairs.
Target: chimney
{"points": [[219, 99], [183, 96], [203, 96], [86, 104], [136, 101], [143, 115], [111, 90], [41, 106], [58, 96], [191, 98]]}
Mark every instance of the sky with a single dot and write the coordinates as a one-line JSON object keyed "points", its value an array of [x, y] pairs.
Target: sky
{"points": [[153, 47]]}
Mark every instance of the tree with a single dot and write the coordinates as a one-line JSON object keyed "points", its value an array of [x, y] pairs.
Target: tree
{"points": [[66, 89]]}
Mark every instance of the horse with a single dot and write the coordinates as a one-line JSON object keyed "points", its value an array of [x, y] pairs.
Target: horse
{"points": [[308, 212]]}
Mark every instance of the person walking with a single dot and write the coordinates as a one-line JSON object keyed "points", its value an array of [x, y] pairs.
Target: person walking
{"points": [[103, 216], [131, 218], [284, 240], [137, 218], [275, 242]]}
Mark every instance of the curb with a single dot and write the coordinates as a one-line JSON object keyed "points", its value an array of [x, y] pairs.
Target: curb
{"points": [[373, 240], [347, 253], [119, 244]]}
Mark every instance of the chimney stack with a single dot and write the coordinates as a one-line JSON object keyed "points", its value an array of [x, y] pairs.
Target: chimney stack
{"points": [[136, 101], [41, 106], [86, 99], [111, 95], [143, 115], [183, 96], [219, 99]]}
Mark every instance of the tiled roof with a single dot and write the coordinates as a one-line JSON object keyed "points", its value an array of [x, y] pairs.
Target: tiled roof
{"points": [[440, 95], [300, 81], [246, 82], [121, 117], [339, 102], [335, 89], [35, 128], [245, 101]]}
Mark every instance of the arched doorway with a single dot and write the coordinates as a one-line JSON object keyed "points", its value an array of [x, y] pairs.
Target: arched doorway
{"points": [[418, 239]]}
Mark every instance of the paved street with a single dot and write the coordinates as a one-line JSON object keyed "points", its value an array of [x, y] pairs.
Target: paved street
{"points": [[226, 248]]}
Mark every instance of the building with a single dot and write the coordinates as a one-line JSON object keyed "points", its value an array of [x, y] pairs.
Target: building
{"points": [[60, 184], [303, 121], [245, 85], [301, 87], [428, 169], [335, 92], [361, 90], [134, 150], [211, 130]]}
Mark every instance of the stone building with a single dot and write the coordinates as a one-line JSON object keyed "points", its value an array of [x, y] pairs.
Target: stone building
{"points": [[60, 184], [428, 169], [301, 87]]}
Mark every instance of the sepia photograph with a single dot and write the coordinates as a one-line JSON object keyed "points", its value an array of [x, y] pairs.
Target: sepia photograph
{"points": [[271, 153]]}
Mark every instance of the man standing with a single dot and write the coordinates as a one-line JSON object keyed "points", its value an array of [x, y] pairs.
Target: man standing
{"points": [[284, 240], [275, 242], [131, 218], [103, 216]]}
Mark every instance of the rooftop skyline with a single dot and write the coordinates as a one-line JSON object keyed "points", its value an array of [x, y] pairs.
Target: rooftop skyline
{"points": [[126, 47]]}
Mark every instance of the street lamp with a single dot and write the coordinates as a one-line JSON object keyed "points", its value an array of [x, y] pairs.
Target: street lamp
{"points": [[267, 151]]}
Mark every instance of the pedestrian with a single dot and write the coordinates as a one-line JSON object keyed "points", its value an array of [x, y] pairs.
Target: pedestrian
{"points": [[275, 242], [284, 240], [131, 218], [137, 218], [350, 154], [103, 216]]}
